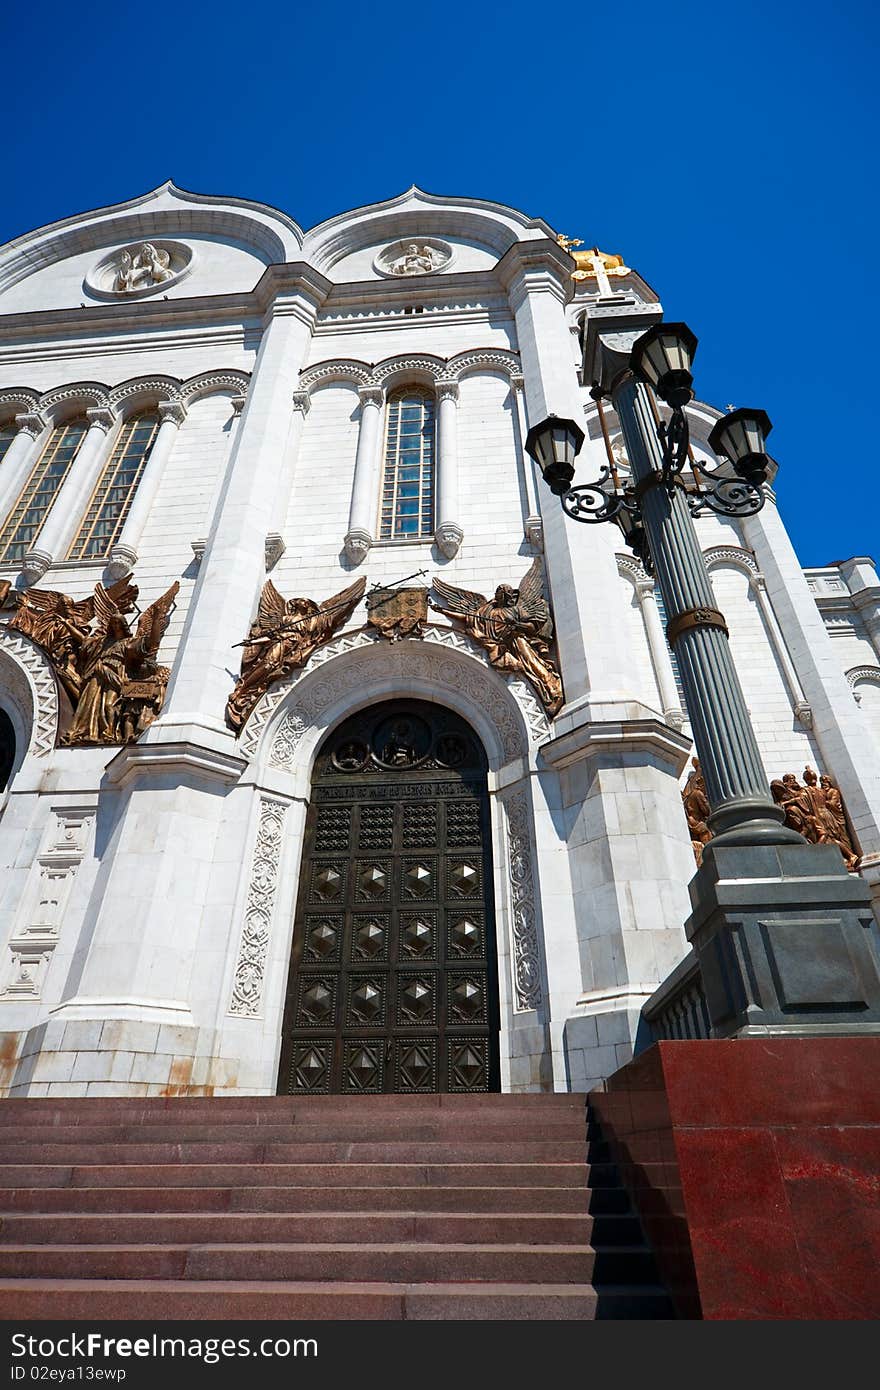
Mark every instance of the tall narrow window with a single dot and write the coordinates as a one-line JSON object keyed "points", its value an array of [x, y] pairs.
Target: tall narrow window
{"points": [[116, 488], [8, 431], [408, 482], [661, 609], [40, 490]]}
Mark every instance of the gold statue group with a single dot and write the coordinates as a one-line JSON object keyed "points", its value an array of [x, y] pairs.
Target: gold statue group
{"points": [[814, 808], [114, 687]]}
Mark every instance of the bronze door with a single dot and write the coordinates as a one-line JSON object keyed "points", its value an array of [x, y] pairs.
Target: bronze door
{"points": [[393, 983]]}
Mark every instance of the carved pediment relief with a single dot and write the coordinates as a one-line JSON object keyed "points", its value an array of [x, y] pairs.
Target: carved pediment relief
{"points": [[140, 269], [413, 256]]}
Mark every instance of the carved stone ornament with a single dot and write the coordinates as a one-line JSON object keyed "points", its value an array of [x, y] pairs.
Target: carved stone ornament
{"points": [[413, 256], [815, 809], [283, 637], [526, 952], [396, 613], [139, 270], [514, 627], [108, 672], [250, 968]]}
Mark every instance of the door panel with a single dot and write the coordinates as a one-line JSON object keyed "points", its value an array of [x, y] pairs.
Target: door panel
{"points": [[393, 981]]}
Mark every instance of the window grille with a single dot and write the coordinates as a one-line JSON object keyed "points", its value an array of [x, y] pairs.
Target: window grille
{"points": [[39, 492], [408, 481], [116, 487]]}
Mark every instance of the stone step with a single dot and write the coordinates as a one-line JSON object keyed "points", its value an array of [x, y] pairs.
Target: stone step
{"points": [[226, 1300], [407, 1263], [244, 1175], [89, 1110], [288, 1228], [285, 1199], [452, 1129], [387, 1151]]}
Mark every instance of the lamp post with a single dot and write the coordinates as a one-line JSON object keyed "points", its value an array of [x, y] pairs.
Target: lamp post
{"points": [[758, 976]]}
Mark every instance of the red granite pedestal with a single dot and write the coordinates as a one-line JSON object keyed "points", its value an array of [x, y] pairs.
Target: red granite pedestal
{"points": [[755, 1164]]}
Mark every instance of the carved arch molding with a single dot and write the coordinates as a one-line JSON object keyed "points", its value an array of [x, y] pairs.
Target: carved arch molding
{"points": [[508, 703], [440, 370], [451, 666], [28, 682], [95, 394]]}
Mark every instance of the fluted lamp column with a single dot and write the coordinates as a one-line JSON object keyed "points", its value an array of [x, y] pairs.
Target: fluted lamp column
{"points": [[448, 533], [781, 930], [64, 515], [365, 490], [124, 553]]}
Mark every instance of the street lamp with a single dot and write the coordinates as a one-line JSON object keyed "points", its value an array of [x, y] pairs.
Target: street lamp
{"points": [[757, 975]]}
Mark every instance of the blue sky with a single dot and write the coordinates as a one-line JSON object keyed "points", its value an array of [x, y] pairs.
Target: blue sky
{"points": [[728, 151]]}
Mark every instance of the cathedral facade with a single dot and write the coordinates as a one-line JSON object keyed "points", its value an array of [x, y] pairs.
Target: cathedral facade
{"points": [[334, 757]]}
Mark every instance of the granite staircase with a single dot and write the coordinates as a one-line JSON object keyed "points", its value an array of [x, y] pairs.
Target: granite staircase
{"points": [[394, 1207]]}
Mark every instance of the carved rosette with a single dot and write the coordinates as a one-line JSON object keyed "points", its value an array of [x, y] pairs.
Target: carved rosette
{"points": [[526, 952], [250, 968]]}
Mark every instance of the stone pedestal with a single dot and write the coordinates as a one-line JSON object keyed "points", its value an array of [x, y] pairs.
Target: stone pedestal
{"points": [[783, 935], [753, 1165]]}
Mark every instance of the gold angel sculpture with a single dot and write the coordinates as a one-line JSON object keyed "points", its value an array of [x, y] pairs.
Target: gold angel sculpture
{"points": [[108, 672], [60, 625], [283, 637], [514, 627]]}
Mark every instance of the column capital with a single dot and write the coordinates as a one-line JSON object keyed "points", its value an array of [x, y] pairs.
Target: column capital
{"points": [[448, 538], [447, 391], [537, 266], [31, 422], [302, 402], [517, 382], [357, 545], [101, 415], [372, 395], [172, 410]]}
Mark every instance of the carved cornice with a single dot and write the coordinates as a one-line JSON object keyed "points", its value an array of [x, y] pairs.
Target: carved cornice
{"points": [[307, 698], [208, 383], [731, 555], [495, 359], [18, 400], [162, 388], [863, 673], [335, 369], [84, 393]]}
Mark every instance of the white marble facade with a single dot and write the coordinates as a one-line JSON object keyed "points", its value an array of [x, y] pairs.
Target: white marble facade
{"points": [[137, 884]]}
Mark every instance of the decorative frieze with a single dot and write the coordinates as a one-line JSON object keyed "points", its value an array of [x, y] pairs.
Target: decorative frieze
{"points": [[33, 941], [253, 950], [524, 927]]}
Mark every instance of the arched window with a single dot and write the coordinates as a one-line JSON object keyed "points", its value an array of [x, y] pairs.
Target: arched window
{"points": [[8, 431], [408, 481], [116, 488], [41, 489]]}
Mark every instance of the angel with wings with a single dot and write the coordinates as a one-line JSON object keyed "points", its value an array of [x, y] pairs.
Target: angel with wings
{"points": [[515, 628], [60, 625], [112, 660], [283, 637]]}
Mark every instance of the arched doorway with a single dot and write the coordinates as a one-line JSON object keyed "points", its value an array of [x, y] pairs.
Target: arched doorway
{"points": [[393, 980], [7, 749]]}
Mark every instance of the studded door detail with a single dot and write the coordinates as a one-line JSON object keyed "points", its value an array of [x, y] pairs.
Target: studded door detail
{"points": [[393, 980]]}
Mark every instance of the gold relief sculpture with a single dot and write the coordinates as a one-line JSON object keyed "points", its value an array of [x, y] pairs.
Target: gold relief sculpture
{"points": [[283, 637], [109, 673], [514, 627], [5, 590], [697, 809], [397, 613], [816, 810], [813, 808]]}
